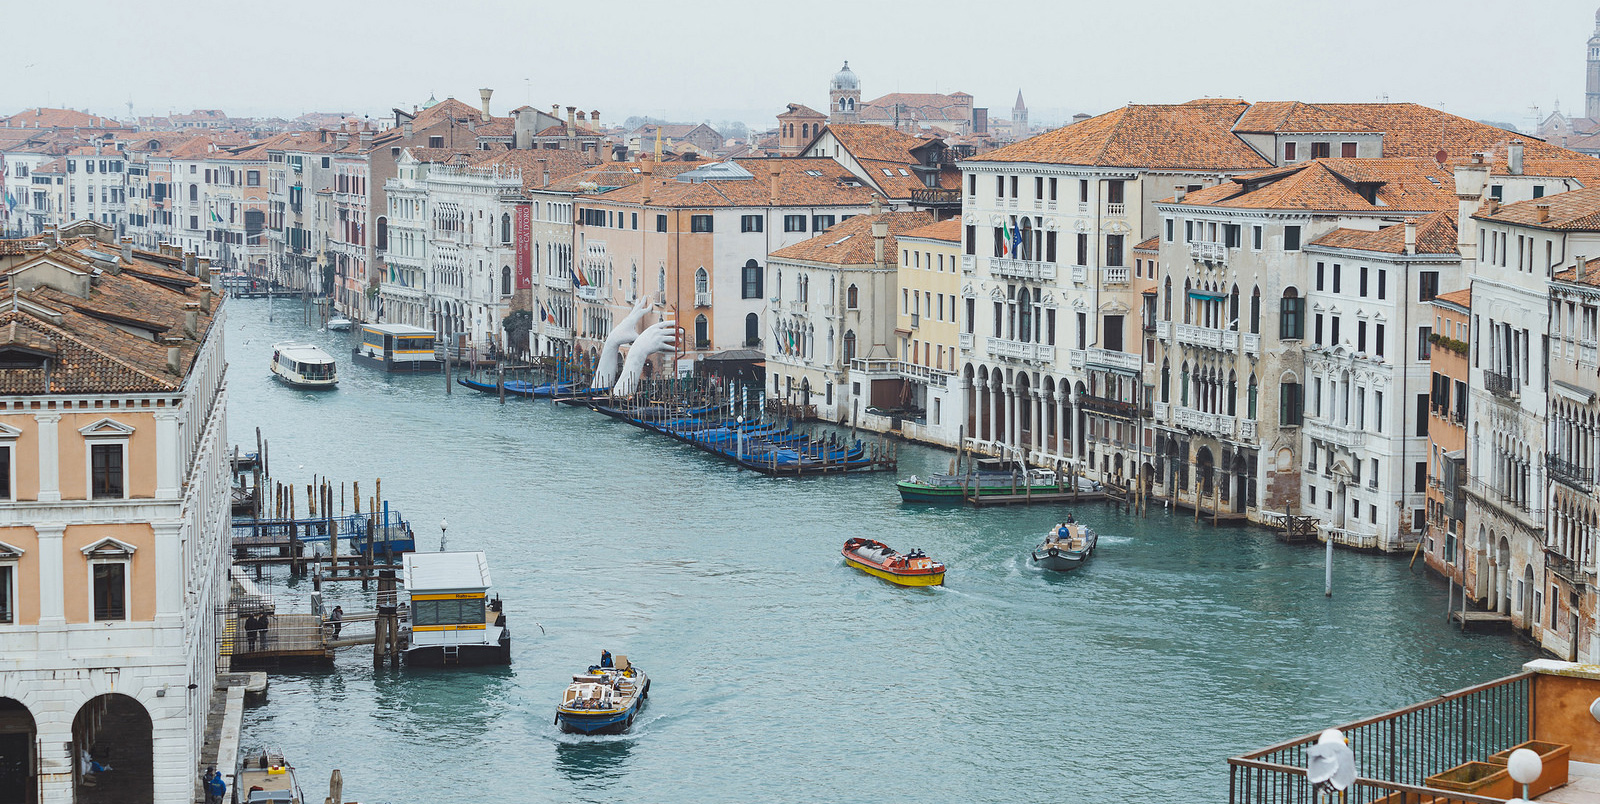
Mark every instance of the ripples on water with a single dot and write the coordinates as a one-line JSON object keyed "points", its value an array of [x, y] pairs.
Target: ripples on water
{"points": [[780, 674]]}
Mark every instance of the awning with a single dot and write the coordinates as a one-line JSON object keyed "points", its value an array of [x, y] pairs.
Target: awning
{"points": [[1582, 396], [1204, 295], [1457, 455]]}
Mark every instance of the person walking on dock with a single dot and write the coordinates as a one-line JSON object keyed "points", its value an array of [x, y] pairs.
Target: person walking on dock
{"points": [[250, 632], [337, 620], [215, 787]]}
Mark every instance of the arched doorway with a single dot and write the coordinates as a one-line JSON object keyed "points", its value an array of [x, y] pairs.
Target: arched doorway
{"points": [[1203, 463], [752, 331], [18, 776], [112, 752]]}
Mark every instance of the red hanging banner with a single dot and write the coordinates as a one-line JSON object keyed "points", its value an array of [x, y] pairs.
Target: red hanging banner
{"points": [[524, 247]]}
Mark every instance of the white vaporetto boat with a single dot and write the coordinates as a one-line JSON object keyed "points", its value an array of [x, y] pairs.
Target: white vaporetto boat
{"points": [[303, 365]]}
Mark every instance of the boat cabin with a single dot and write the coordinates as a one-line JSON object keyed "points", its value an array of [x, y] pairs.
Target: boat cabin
{"points": [[397, 348], [304, 365]]}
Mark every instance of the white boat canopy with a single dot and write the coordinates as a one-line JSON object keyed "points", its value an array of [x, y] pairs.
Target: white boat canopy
{"points": [[445, 572]]}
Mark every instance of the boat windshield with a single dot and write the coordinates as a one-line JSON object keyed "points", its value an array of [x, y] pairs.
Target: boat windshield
{"points": [[316, 371]]}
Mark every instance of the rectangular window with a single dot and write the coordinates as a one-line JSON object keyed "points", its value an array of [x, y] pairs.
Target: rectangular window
{"points": [[1320, 275], [1169, 230], [8, 596], [110, 590], [972, 240], [1114, 192], [750, 223], [1428, 285], [5, 473], [106, 471], [752, 281], [1333, 331], [1111, 338], [1383, 283], [1319, 150], [252, 178], [1424, 343], [1291, 238], [1014, 187], [1038, 188], [1290, 411], [1422, 415], [700, 223], [1083, 248], [1316, 329], [1377, 341], [822, 223], [1050, 246], [661, 223], [1255, 237], [1361, 336], [1114, 250], [1289, 151], [1291, 318], [1188, 231], [972, 185], [1338, 280], [1000, 187], [1052, 188], [1083, 189], [633, 218], [794, 223], [1347, 150]]}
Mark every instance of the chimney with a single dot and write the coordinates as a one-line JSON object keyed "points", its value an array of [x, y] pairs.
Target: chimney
{"points": [[365, 137], [582, 117], [1583, 267], [647, 166], [544, 172], [203, 269], [571, 119], [1490, 205], [205, 301], [188, 263], [1514, 158], [877, 205], [484, 94], [1542, 211], [594, 118], [191, 319], [880, 231], [1178, 192], [127, 249], [405, 128], [174, 362], [772, 183], [1411, 235]]}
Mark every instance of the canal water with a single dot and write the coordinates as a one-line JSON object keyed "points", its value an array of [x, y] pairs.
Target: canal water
{"points": [[778, 673]]}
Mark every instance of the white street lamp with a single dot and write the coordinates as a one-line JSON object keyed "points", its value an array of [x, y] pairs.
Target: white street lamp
{"points": [[1525, 767], [443, 527]]}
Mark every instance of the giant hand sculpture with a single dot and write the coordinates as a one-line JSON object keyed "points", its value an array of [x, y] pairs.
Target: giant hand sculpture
{"points": [[658, 338], [605, 371]]}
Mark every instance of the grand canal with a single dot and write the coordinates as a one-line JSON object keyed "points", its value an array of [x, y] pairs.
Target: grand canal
{"points": [[781, 675]]}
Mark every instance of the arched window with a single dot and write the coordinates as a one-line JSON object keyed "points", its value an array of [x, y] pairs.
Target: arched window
{"points": [[805, 131], [702, 332], [1168, 315], [1025, 245], [752, 330], [1233, 309], [1255, 311], [1166, 381], [849, 344], [505, 280], [850, 298], [1251, 410], [1233, 393], [751, 286], [702, 281], [1183, 385], [505, 227], [1188, 305], [1292, 316], [383, 232]]}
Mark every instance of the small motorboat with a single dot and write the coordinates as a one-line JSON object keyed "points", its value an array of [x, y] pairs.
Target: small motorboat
{"points": [[908, 569], [303, 365], [340, 324], [266, 776], [1065, 547], [605, 699]]}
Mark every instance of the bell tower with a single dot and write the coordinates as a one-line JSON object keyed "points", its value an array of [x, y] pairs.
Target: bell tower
{"points": [[1591, 106], [844, 96]]}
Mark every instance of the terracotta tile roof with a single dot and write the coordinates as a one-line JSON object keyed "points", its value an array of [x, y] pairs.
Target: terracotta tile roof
{"points": [[443, 111], [1269, 117], [534, 164], [1195, 136], [867, 141], [802, 181], [447, 156], [917, 106], [1462, 297], [1575, 211], [948, 230], [612, 175], [1591, 274], [851, 242], [1152, 244], [91, 348], [57, 118], [560, 130], [1413, 130], [1436, 234], [1413, 185], [798, 110]]}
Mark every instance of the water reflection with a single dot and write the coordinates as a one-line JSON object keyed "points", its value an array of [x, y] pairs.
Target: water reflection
{"points": [[593, 762], [461, 703]]}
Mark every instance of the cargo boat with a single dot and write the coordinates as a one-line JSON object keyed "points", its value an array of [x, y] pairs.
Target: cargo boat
{"points": [[1067, 546], [603, 700], [908, 569]]}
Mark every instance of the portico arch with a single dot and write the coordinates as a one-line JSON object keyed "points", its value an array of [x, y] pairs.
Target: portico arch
{"points": [[18, 772], [113, 731]]}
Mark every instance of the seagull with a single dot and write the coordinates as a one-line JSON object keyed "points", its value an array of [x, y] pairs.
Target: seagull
{"points": [[1331, 763]]}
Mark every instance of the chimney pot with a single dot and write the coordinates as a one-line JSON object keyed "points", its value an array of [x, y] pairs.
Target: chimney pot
{"points": [[127, 248], [1514, 158], [484, 95], [1542, 211], [174, 362], [1583, 267], [1411, 235]]}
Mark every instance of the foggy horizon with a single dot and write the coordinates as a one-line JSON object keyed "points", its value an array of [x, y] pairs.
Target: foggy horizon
{"points": [[726, 62]]}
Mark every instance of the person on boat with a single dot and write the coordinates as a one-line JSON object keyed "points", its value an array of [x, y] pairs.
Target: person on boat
{"points": [[605, 659], [1071, 519]]}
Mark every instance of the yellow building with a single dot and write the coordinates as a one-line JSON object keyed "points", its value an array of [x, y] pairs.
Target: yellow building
{"points": [[114, 507], [928, 327]]}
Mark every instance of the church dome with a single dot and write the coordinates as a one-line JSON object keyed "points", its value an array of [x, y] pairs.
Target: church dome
{"points": [[845, 79]]}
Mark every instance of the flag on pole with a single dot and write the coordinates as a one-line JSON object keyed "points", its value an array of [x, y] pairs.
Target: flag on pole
{"points": [[1016, 239], [545, 316], [1005, 240]]}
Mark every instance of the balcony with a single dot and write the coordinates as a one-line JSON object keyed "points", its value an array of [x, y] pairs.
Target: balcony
{"points": [[1108, 407], [1163, 329], [1499, 384], [1230, 341], [1211, 423], [1116, 276], [1011, 203], [796, 307], [1017, 350], [1247, 430], [1050, 206], [702, 299], [589, 293], [1588, 354], [1080, 274], [966, 341], [1334, 433], [1567, 570], [1208, 252], [1077, 358], [1565, 471], [1116, 210], [1162, 411], [1204, 337], [936, 197], [1022, 269], [1252, 344], [967, 261], [1105, 358]]}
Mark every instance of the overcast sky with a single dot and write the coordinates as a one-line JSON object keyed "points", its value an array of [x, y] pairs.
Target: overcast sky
{"points": [[745, 60]]}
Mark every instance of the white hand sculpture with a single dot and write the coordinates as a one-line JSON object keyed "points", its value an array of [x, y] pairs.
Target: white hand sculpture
{"points": [[658, 338], [605, 370]]}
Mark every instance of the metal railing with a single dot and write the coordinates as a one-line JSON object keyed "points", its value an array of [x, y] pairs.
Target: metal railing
{"points": [[1396, 751], [1499, 384], [1568, 472]]}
